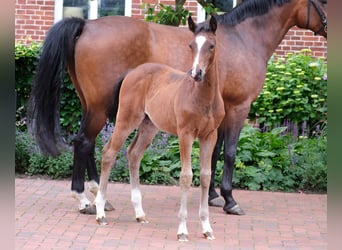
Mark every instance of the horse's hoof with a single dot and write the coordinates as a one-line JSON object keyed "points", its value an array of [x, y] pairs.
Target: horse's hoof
{"points": [[108, 207], [142, 220], [235, 210], [182, 237], [102, 221], [209, 235], [89, 209], [216, 202]]}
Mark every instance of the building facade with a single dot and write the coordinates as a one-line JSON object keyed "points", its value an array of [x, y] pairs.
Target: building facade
{"points": [[33, 18]]}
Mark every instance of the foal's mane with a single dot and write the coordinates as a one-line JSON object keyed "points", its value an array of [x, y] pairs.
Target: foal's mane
{"points": [[249, 8]]}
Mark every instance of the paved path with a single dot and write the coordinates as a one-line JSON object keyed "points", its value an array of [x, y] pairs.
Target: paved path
{"points": [[46, 217]]}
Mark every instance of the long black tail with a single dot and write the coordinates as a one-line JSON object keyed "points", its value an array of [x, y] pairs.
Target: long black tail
{"points": [[44, 102]]}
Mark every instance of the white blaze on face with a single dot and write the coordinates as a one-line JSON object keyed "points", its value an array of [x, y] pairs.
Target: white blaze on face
{"points": [[200, 40]]}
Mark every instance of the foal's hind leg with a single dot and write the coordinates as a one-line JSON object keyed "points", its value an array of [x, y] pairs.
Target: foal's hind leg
{"points": [[109, 154], [143, 139]]}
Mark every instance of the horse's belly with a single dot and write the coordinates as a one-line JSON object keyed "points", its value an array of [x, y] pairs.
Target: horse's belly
{"points": [[161, 113]]}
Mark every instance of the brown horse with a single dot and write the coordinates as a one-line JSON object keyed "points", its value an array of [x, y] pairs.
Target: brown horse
{"points": [[98, 52], [157, 97]]}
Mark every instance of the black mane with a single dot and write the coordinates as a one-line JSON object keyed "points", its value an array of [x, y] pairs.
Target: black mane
{"points": [[249, 8]]}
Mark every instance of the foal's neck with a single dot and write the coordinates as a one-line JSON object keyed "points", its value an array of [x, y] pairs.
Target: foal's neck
{"points": [[210, 82]]}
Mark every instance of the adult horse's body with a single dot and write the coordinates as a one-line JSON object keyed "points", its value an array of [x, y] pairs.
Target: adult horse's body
{"points": [[156, 97], [98, 52]]}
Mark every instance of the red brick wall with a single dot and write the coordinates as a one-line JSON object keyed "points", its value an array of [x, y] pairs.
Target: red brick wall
{"points": [[32, 19], [297, 39]]}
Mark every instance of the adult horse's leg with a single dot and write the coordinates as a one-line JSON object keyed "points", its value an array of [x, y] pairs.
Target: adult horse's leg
{"points": [[214, 199], [135, 152], [84, 148], [234, 121]]}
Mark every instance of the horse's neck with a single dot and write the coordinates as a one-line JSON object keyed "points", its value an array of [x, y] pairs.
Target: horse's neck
{"points": [[211, 82], [264, 33]]}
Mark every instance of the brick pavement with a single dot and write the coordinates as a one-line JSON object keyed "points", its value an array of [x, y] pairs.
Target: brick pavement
{"points": [[46, 217]]}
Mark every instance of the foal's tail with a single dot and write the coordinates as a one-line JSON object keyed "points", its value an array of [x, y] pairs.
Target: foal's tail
{"points": [[44, 102], [115, 99]]}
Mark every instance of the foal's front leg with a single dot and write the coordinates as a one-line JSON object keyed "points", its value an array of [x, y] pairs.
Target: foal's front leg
{"points": [[185, 146], [206, 148]]}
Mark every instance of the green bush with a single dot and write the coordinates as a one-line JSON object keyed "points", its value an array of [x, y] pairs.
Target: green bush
{"points": [[275, 161], [167, 14], [24, 149], [295, 91], [310, 162], [26, 60], [265, 161], [25, 65]]}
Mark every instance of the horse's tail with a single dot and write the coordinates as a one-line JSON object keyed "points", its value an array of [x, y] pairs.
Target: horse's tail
{"points": [[44, 102], [113, 110]]}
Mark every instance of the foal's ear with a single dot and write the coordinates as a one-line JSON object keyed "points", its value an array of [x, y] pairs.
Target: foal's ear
{"points": [[191, 24], [213, 24]]}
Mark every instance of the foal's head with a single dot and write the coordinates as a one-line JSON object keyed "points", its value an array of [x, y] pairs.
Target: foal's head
{"points": [[202, 47]]}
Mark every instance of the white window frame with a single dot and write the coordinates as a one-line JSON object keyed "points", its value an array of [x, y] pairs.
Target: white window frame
{"points": [[93, 9]]}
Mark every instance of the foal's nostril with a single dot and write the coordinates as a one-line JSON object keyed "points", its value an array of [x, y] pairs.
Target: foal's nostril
{"points": [[198, 76]]}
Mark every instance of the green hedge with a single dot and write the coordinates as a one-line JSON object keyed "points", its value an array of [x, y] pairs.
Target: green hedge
{"points": [[26, 60]]}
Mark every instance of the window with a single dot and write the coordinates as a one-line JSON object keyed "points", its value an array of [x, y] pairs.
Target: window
{"points": [[111, 7], [91, 9], [76, 8]]}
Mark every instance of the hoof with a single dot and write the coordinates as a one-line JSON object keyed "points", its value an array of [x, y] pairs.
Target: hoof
{"points": [[216, 202], [235, 210], [142, 220], [108, 207], [182, 237], [89, 209], [209, 235], [102, 221]]}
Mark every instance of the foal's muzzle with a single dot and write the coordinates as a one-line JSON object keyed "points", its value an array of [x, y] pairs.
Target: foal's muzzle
{"points": [[196, 75]]}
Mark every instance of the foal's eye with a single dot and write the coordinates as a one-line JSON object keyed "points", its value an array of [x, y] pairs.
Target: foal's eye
{"points": [[212, 46], [190, 46]]}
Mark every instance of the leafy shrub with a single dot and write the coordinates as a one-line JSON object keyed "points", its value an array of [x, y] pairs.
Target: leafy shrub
{"points": [[265, 161], [167, 14], [295, 91], [26, 60], [275, 161], [71, 111], [25, 65], [311, 164], [24, 147], [262, 160]]}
